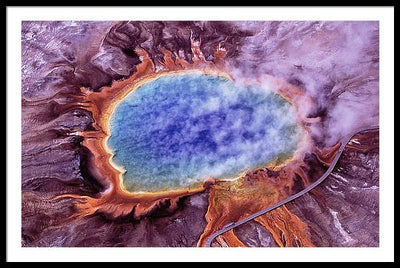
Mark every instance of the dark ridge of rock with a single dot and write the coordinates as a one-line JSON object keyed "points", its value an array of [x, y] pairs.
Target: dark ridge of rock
{"points": [[298, 184], [313, 167], [181, 229]]}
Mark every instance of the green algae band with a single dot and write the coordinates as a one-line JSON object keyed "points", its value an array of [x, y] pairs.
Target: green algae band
{"points": [[178, 130]]}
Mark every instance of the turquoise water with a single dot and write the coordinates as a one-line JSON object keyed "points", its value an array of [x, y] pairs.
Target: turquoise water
{"points": [[181, 129]]}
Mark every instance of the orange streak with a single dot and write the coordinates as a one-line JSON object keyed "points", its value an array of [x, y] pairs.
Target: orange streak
{"points": [[229, 239], [286, 229], [326, 155]]}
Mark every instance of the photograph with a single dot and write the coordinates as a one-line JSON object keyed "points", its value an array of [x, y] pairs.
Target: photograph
{"points": [[230, 132]]}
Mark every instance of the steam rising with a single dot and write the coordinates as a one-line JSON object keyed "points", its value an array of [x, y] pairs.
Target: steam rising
{"points": [[336, 63]]}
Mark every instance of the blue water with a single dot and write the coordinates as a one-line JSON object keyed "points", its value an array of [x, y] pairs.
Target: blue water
{"points": [[179, 130]]}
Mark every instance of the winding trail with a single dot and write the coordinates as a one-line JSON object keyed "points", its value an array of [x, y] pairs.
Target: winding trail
{"points": [[232, 225]]}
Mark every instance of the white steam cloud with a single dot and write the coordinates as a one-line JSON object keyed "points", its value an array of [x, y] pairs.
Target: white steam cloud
{"points": [[335, 63]]}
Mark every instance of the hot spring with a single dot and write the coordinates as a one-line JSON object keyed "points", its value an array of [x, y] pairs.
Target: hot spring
{"points": [[178, 130]]}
